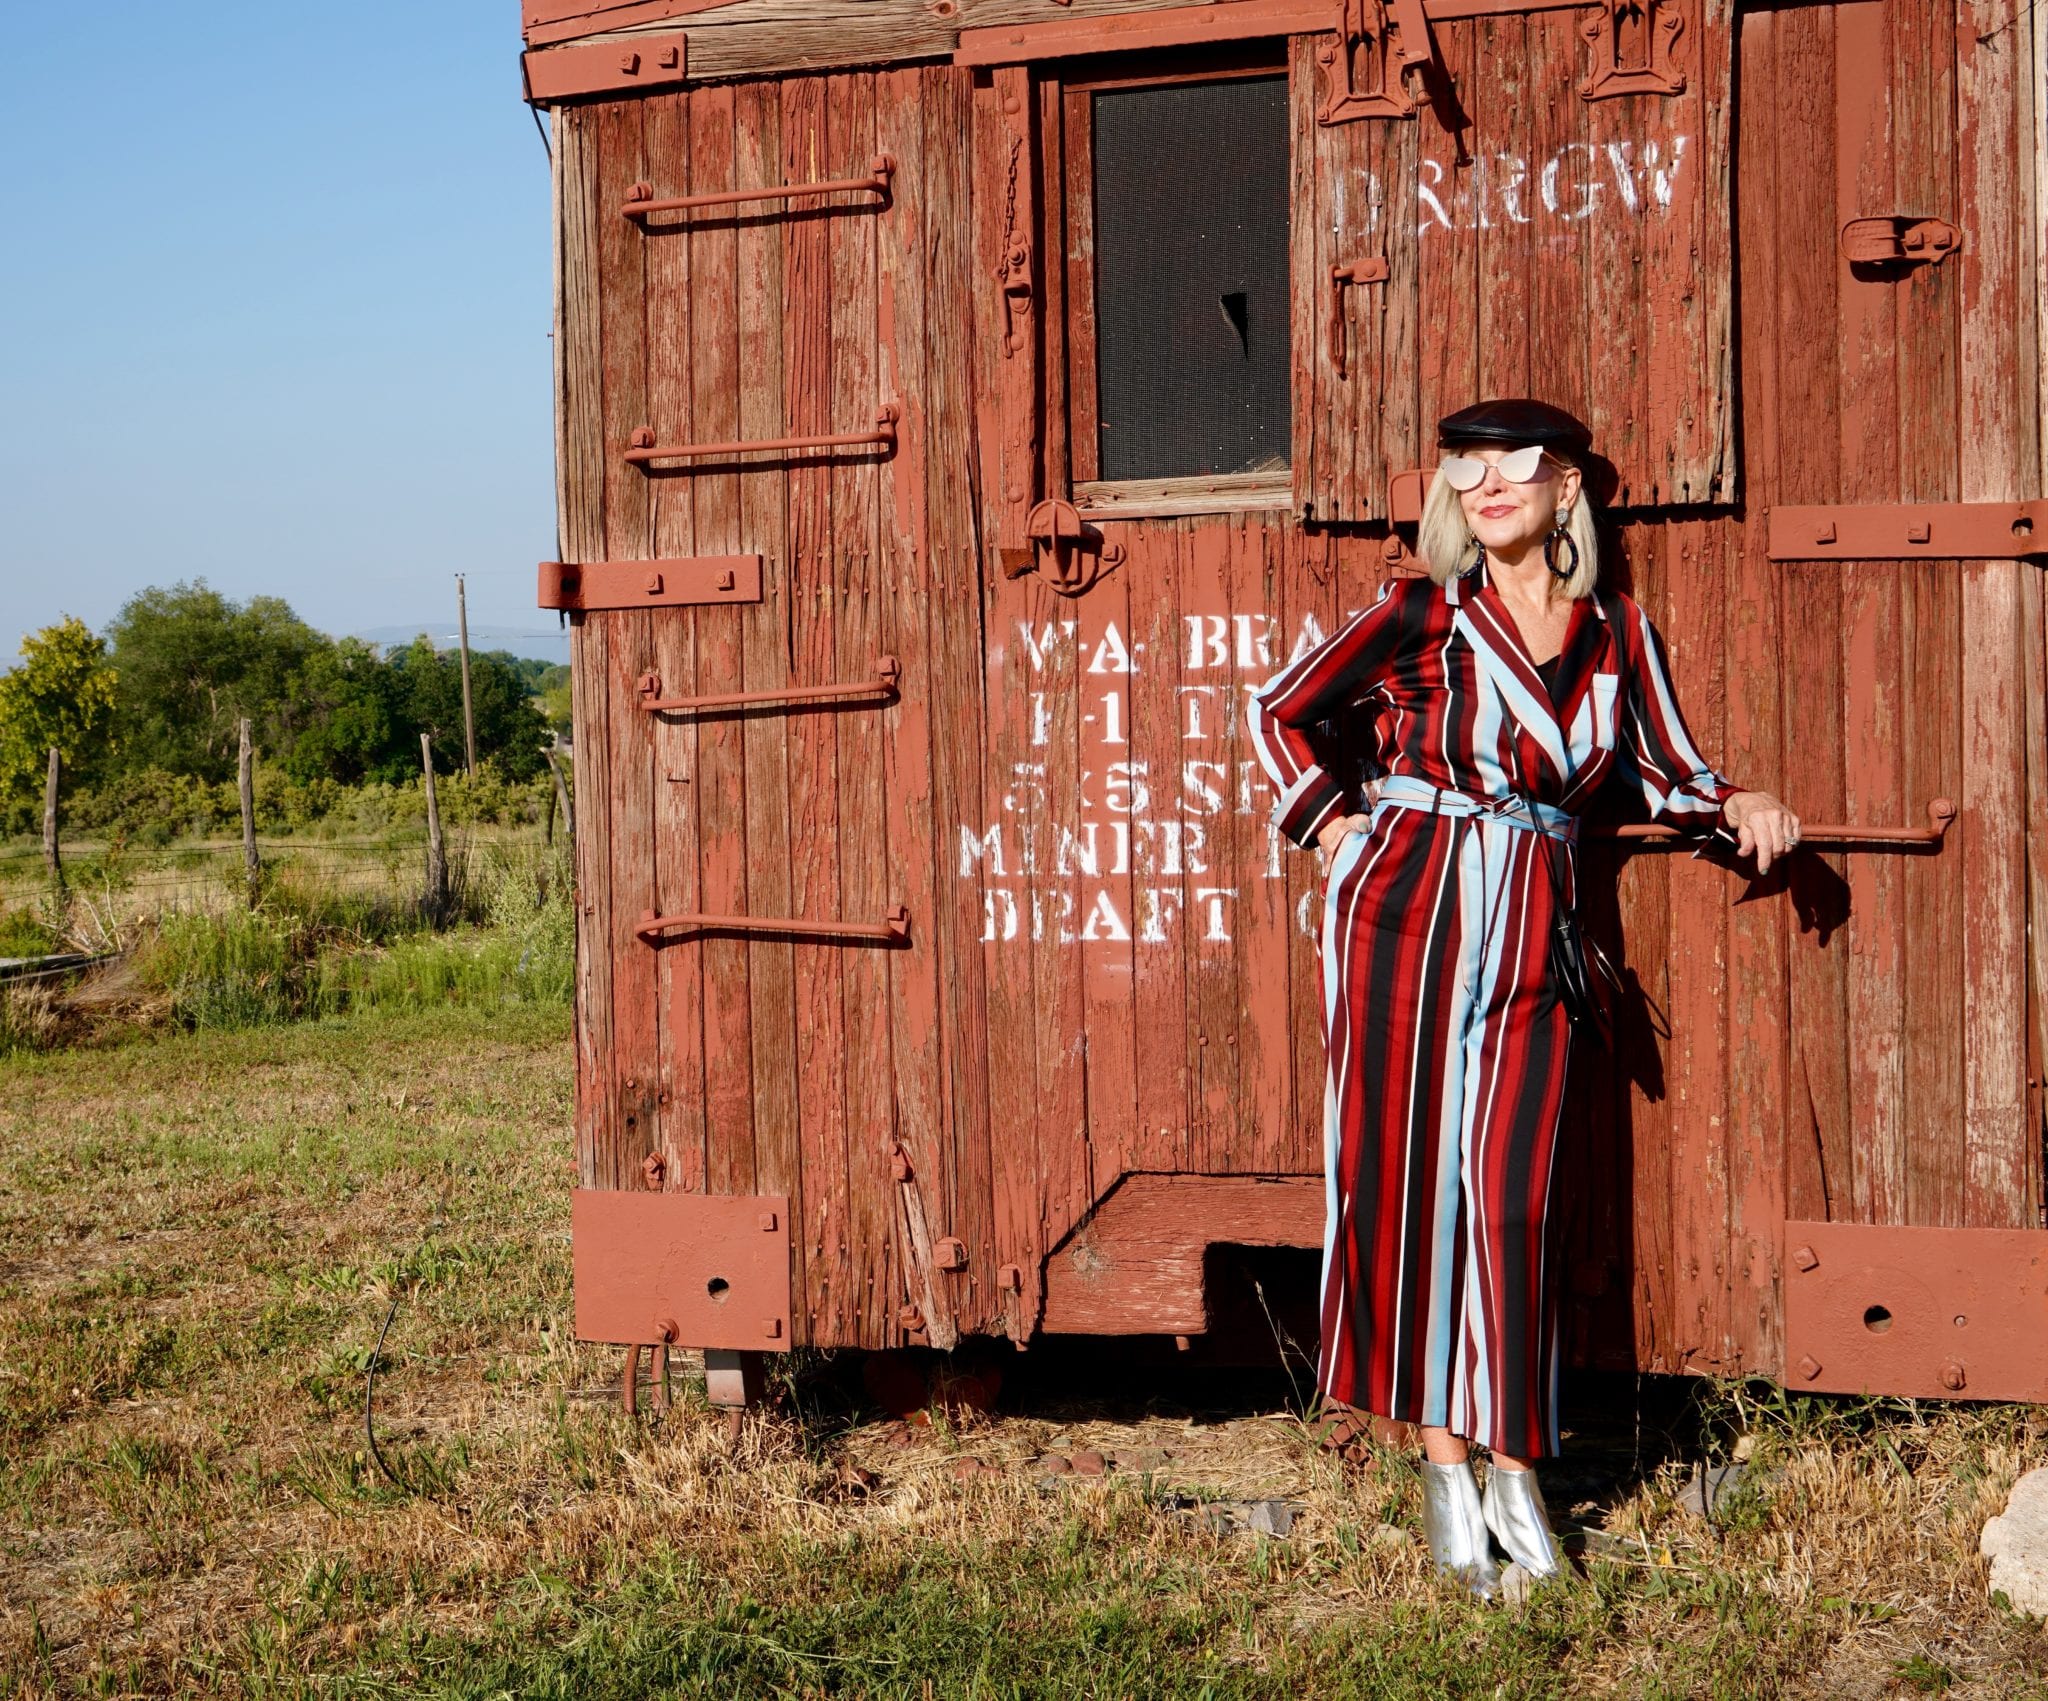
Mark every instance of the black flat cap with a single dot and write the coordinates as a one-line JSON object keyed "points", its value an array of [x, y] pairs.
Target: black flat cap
{"points": [[1516, 419]]}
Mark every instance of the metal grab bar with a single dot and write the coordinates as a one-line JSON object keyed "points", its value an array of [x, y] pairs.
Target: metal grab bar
{"points": [[644, 448], [894, 927], [887, 672], [640, 199], [1358, 272], [1940, 813]]}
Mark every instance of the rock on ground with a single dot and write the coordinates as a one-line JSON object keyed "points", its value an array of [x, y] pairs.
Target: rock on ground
{"points": [[2016, 1543]]}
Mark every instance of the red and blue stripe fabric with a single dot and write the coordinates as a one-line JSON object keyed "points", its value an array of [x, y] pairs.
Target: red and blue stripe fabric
{"points": [[1447, 1044]]}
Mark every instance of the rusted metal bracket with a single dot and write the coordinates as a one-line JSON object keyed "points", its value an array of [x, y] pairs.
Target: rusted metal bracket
{"points": [[888, 672], [1067, 552], [1945, 1313], [892, 929], [1911, 531], [566, 73], [691, 1269], [645, 449], [679, 582], [1633, 45], [1898, 239], [1375, 43], [1358, 272], [1813, 835], [640, 200]]}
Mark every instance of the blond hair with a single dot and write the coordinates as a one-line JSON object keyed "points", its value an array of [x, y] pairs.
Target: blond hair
{"points": [[1446, 543]]}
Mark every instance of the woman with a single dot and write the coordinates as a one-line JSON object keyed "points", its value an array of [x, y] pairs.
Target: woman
{"points": [[1503, 691]]}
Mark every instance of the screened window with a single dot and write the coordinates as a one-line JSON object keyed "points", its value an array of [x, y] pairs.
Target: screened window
{"points": [[1191, 357]]}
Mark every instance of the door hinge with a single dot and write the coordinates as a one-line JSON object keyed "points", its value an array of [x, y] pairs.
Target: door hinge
{"points": [[1911, 531]]}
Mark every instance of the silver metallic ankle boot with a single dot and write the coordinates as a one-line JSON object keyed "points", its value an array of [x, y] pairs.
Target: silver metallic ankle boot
{"points": [[1455, 1524], [1513, 1510]]}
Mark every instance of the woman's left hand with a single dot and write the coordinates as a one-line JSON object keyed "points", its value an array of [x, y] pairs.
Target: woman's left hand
{"points": [[1764, 827]]}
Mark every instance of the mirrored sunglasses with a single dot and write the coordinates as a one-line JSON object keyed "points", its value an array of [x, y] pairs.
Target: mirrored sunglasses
{"points": [[1468, 472]]}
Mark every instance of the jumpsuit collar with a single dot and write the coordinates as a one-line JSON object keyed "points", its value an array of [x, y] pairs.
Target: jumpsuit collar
{"points": [[1505, 661]]}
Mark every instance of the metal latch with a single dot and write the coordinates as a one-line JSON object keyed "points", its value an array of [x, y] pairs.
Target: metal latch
{"points": [[1358, 272], [1376, 43], [1898, 239]]}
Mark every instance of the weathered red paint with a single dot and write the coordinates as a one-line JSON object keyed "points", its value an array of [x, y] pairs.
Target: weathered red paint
{"points": [[1105, 1019], [682, 1268], [1928, 1312]]}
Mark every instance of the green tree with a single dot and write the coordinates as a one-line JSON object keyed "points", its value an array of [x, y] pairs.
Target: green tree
{"points": [[62, 694], [191, 662], [344, 702], [427, 692]]}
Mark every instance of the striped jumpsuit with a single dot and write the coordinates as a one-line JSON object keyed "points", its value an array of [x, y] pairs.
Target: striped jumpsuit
{"points": [[1447, 1044]]}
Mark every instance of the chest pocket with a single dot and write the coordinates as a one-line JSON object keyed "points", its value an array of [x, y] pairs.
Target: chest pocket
{"points": [[1606, 691]]}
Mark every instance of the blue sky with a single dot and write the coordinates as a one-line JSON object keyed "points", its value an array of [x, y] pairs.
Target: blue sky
{"points": [[276, 294]]}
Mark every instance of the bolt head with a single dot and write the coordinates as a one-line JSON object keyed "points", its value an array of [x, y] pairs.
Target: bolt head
{"points": [[911, 1318], [771, 1328], [1806, 1258], [768, 1221], [1809, 1367], [1952, 1378]]}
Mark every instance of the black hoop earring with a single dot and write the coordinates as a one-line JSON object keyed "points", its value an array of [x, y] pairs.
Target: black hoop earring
{"points": [[1557, 536], [1478, 556]]}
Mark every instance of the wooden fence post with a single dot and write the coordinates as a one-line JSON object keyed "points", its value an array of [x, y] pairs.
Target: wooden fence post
{"points": [[245, 777], [437, 852], [561, 796], [51, 856]]}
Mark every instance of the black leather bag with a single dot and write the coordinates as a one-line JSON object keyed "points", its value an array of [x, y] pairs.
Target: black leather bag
{"points": [[1579, 969]]}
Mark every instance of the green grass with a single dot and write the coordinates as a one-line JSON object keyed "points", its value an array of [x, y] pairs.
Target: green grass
{"points": [[201, 1232]]}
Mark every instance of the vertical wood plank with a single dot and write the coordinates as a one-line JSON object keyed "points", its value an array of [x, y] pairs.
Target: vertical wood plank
{"points": [[636, 1045], [1997, 429], [717, 787], [763, 500], [676, 304], [856, 518], [912, 871], [807, 308], [580, 474], [959, 669]]}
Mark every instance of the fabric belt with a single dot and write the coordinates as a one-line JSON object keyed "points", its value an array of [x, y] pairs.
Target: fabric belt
{"points": [[1404, 791]]}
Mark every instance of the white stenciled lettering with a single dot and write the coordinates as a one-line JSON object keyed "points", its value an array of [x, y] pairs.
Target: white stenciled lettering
{"points": [[1198, 796], [1103, 922], [998, 915], [1113, 717], [1589, 189], [1622, 166], [1663, 172], [1193, 698], [1110, 656], [1041, 644], [1125, 791], [1041, 719], [1208, 640], [973, 850], [1429, 178], [1212, 899], [1158, 909]]}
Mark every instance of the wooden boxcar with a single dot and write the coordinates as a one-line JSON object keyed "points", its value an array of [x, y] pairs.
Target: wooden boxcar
{"points": [[961, 403]]}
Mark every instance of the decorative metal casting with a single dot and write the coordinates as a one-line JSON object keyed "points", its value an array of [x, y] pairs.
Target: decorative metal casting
{"points": [[1375, 44], [1633, 43], [1067, 552]]}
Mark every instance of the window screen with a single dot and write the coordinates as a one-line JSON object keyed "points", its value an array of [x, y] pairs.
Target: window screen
{"points": [[1191, 305]]}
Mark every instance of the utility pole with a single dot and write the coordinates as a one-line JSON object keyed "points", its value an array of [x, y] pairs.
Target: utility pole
{"points": [[468, 719]]}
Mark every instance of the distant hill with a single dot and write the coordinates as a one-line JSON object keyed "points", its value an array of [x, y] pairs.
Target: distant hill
{"points": [[547, 646]]}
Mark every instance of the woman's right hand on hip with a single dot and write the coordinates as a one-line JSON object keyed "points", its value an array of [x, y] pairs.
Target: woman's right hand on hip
{"points": [[1337, 829]]}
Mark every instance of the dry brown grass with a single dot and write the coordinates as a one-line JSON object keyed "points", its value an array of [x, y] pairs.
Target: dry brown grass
{"points": [[199, 1236]]}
